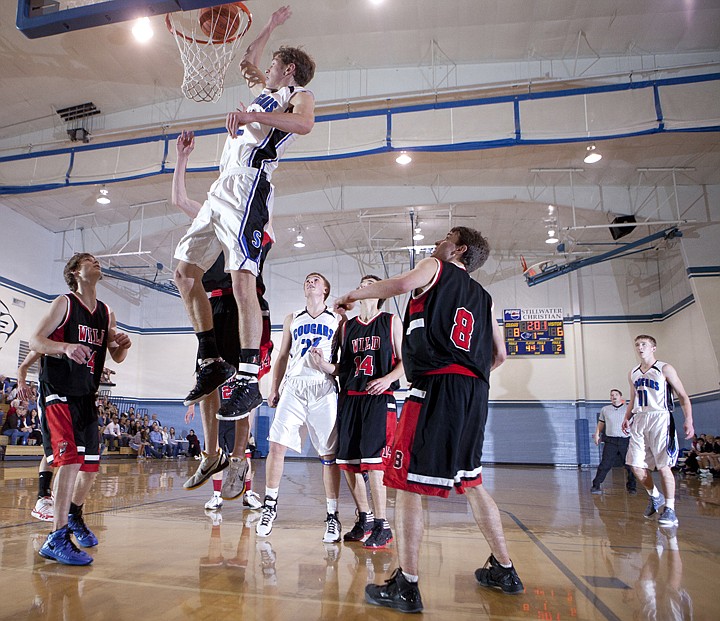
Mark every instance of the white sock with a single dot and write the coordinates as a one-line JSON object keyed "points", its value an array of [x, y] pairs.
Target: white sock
{"points": [[216, 494], [655, 493], [332, 505], [272, 492], [670, 503], [410, 577]]}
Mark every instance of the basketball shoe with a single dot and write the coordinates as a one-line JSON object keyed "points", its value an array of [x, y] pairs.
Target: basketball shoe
{"points": [[208, 466], [44, 509], [245, 397], [85, 537], [60, 547], [210, 377], [380, 537], [333, 528], [668, 518], [234, 482], [654, 505], [269, 513], [215, 503], [362, 528], [397, 592], [252, 500], [493, 574]]}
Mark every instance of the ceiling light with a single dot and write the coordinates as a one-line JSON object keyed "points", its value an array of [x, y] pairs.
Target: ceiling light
{"points": [[299, 243], [551, 233], [592, 155], [403, 159], [418, 235], [103, 197], [142, 30], [551, 238], [551, 209]]}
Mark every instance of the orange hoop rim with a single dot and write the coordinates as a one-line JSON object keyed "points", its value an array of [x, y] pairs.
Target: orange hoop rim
{"points": [[238, 35]]}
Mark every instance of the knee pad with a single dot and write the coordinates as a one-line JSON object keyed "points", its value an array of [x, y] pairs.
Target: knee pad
{"points": [[327, 462]]}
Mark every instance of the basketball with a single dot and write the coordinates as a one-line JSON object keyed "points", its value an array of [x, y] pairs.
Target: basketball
{"points": [[220, 22]]}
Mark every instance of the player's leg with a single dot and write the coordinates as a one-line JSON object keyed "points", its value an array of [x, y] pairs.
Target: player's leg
{"points": [[365, 519], [44, 506], [640, 459], [331, 482], [234, 484], [213, 460], [381, 534], [401, 591], [246, 394], [251, 498], [274, 465]]}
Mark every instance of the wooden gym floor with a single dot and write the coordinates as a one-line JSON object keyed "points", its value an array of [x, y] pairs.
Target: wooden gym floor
{"points": [[160, 557]]}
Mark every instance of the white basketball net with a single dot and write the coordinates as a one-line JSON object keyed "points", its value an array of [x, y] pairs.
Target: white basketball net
{"points": [[205, 60]]}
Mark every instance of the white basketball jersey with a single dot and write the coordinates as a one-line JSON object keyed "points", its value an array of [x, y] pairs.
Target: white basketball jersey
{"points": [[256, 145], [307, 332], [653, 393]]}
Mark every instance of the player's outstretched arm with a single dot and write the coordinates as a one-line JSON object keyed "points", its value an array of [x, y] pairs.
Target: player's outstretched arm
{"points": [[249, 64], [674, 380], [630, 405], [300, 122], [416, 278], [40, 342], [184, 145]]}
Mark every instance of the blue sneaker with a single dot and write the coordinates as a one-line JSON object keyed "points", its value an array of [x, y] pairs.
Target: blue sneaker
{"points": [[668, 518], [60, 547], [654, 505], [83, 534]]}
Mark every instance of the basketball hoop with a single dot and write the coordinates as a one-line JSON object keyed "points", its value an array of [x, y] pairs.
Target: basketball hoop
{"points": [[207, 39]]}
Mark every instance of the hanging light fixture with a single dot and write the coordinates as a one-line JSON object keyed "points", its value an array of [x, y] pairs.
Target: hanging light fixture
{"points": [[299, 243], [593, 155], [551, 239], [418, 236], [103, 197], [403, 159]]}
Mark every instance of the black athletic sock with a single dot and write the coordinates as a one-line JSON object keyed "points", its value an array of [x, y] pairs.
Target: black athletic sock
{"points": [[75, 509], [44, 482], [249, 362], [207, 347]]}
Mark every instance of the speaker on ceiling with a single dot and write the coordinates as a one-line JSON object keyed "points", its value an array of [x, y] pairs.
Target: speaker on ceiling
{"points": [[621, 231]]}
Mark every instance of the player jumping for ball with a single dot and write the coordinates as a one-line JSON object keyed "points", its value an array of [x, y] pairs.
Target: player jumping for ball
{"points": [[237, 211]]}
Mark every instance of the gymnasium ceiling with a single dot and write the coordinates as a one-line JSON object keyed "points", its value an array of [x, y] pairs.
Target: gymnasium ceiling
{"points": [[518, 44]]}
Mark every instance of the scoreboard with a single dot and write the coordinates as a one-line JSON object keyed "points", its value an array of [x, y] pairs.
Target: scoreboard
{"points": [[534, 332]]}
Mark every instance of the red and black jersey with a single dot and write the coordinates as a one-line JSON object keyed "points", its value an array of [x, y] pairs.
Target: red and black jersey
{"points": [[87, 327], [367, 352], [448, 328]]}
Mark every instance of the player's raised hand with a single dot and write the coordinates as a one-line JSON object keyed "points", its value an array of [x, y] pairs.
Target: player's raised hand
{"points": [[185, 143], [77, 352], [279, 17], [343, 304]]}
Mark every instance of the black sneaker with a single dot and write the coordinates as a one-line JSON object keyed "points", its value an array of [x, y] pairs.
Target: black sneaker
{"points": [[362, 528], [396, 593], [380, 537], [85, 537], [493, 574], [209, 378], [245, 397]]}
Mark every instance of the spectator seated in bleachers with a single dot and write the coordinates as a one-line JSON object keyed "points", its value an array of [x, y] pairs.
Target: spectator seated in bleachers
{"points": [[14, 426], [194, 449]]}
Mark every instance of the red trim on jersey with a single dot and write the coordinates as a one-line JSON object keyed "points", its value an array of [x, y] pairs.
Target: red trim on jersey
{"points": [[93, 311], [417, 303], [365, 393], [58, 334], [62, 435], [453, 369], [373, 318]]}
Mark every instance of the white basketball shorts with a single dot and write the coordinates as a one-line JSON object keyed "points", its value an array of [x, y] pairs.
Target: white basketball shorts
{"points": [[232, 220], [310, 404], [653, 441]]}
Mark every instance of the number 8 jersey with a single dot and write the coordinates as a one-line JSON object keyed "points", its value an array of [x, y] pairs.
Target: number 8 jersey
{"points": [[307, 331], [448, 327]]}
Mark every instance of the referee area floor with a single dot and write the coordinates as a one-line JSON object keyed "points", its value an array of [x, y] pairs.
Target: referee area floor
{"points": [[160, 556]]}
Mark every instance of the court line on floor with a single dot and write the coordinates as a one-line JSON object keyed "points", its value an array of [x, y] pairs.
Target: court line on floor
{"points": [[569, 574]]}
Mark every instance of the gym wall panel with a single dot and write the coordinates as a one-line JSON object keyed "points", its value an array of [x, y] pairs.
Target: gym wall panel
{"points": [[690, 105], [342, 136], [35, 171], [119, 162], [206, 154]]}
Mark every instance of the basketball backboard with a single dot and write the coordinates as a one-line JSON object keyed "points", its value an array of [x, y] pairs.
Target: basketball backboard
{"points": [[43, 18]]}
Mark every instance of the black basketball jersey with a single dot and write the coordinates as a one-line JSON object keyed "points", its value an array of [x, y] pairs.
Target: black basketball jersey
{"points": [[80, 325], [449, 327], [367, 352]]}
